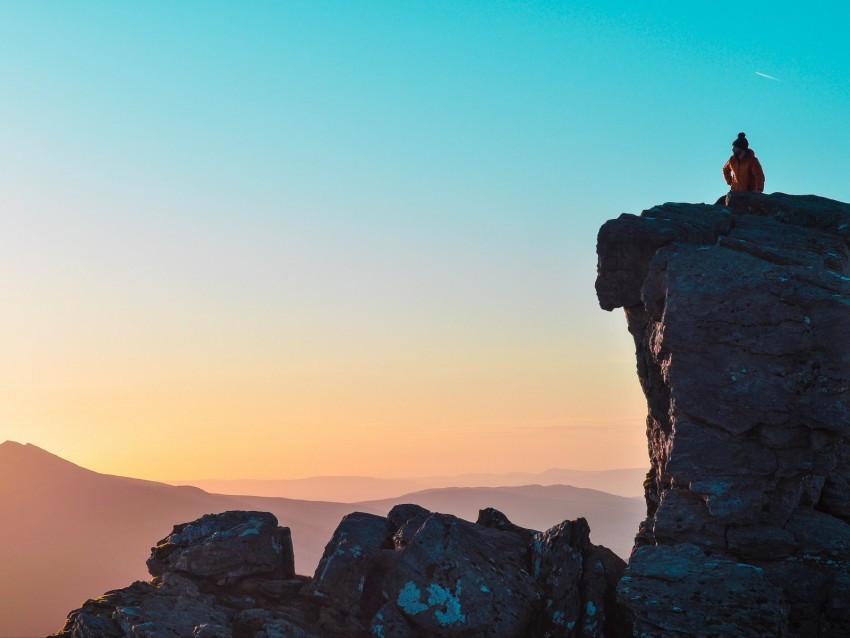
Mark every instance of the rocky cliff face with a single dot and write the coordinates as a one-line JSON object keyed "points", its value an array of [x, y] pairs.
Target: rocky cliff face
{"points": [[412, 574], [740, 314]]}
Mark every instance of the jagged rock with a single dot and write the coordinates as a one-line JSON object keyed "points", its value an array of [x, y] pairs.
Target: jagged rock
{"points": [[341, 572], [602, 614], [494, 519], [456, 578], [225, 548], [171, 607], [740, 314], [414, 573], [577, 582]]}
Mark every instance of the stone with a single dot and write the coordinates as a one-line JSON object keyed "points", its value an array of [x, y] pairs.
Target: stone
{"points": [[414, 573], [836, 494], [806, 590], [405, 520], [341, 573], [626, 245], [284, 629], [820, 535], [603, 615], [455, 578], [171, 607], [761, 542], [224, 548], [211, 630], [680, 591], [494, 519], [683, 516], [577, 580], [248, 622], [741, 324]]}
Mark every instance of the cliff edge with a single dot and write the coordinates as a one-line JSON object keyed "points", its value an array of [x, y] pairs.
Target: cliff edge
{"points": [[740, 314]]}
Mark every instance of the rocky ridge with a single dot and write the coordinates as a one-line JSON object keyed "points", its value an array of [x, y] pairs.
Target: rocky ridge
{"points": [[740, 313], [413, 573]]}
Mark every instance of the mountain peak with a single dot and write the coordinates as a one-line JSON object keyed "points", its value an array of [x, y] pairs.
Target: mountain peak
{"points": [[24, 461], [13, 447]]}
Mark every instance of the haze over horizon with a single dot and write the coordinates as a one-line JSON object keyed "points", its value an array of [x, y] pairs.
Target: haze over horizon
{"points": [[282, 240], [626, 482], [108, 523]]}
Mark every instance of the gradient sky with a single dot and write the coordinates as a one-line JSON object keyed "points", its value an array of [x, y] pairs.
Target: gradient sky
{"points": [[282, 239]]}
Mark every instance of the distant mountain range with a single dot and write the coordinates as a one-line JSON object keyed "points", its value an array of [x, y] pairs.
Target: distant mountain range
{"points": [[69, 533], [613, 519], [353, 489]]}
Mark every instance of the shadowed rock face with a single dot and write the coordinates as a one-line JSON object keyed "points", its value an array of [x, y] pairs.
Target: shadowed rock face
{"points": [[414, 573], [740, 314], [225, 548]]}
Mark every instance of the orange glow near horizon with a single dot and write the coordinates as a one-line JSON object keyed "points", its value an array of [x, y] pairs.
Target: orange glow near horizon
{"points": [[185, 411]]}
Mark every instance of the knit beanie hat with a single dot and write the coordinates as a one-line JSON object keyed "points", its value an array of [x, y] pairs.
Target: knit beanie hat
{"points": [[741, 141]]}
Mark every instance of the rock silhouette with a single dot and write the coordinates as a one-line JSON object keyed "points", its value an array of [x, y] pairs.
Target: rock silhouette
{"points": [[740, 314], [413, 573]]}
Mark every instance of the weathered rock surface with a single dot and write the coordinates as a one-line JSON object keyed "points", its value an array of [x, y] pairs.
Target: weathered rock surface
{"points": [[225, 548], [414, 573], [740, 314]]}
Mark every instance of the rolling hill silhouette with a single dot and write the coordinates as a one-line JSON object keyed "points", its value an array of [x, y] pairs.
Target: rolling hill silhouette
{"points": [[70, 533], [355, 489]]}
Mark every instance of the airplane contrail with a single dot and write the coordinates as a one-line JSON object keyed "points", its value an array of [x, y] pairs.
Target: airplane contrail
{"points": [[769, 77]]}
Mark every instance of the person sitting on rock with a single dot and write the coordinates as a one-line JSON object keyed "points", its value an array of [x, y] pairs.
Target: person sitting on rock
{"points": [[743, 171]]}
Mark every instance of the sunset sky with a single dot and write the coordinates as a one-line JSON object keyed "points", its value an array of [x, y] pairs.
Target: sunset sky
{"points": [[283, 239]]}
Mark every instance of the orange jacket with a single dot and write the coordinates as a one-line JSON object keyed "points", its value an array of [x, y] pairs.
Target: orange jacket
{"points": [[745, 174]]}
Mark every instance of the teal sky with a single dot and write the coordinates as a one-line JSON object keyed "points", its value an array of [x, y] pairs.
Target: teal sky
{"points": [[349, 186]]}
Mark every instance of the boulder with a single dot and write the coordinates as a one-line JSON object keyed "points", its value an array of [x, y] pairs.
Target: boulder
{"points": [[224, 548], [740, 313], [171, 607], [455, 578], [413, 573], [341, 573]]}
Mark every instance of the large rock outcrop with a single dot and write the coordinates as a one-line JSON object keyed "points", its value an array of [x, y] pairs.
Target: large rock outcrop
{"points": [[740, 314], [413, 573]]}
